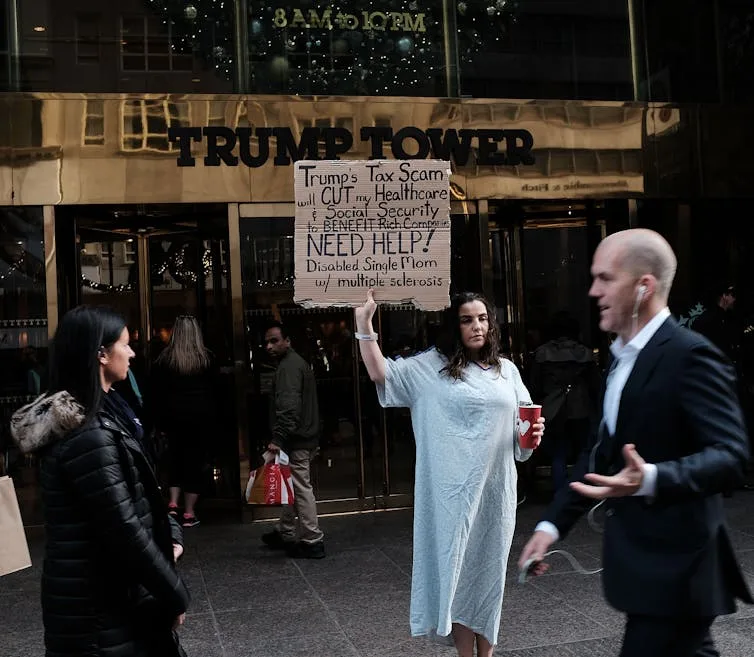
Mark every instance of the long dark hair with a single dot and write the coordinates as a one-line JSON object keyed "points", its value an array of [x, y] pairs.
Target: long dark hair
{"points": [[449, 342], [74, 362], [185, 353]]}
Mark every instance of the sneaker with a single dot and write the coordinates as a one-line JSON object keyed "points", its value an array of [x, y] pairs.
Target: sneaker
{"points": [[190, 521], [173, 510], [307, 550], [275, 540]]}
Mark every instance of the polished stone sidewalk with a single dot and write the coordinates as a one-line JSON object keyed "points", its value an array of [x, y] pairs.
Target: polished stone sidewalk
{"points": [[251, 602]]}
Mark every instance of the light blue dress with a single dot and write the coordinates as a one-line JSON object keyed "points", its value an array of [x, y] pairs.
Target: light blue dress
{"points": [[465, 490]]}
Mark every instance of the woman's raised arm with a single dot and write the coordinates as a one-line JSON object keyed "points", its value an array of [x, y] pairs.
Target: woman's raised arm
{"points": [[368, 345]]}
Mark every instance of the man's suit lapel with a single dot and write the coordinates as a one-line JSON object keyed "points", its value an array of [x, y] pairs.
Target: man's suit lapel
{"points": [[646, 364]]}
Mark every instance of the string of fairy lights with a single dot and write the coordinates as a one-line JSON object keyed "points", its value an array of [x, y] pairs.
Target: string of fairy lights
{"points": [[176, 263], [371, 48], [14, 267]]}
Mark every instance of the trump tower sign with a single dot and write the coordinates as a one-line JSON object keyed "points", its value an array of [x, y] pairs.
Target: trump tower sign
{"points": [[381, 224]]}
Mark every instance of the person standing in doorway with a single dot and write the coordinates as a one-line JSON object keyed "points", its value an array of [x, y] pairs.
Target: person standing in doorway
{"points": [[565, 379], [183, 388], [294, 423], [717, 323], [720, 324], [672, 439]]}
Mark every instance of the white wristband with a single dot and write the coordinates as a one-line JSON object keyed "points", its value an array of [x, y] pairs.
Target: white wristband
{"points": [[366, 336]]}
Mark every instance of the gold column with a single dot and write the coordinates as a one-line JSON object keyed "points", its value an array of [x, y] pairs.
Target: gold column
{"points": [[239, 338], [51, 270], [145, 287], [483, 216], [633, 35], [450, 38], [14, 44]]}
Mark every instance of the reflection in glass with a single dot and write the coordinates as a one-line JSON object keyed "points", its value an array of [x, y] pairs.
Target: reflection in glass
{"points": [[23, 339], [323, 337], [109, 274], [137, 46], [389, 434], [23, 304], [391, 48], [541, 49], [23, 330]]}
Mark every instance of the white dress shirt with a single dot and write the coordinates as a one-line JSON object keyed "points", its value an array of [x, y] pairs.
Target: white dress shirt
{"points": [[625, 358]]}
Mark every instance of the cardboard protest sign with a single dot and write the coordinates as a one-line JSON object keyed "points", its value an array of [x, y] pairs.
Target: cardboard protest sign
{"points": [[381, 224]]}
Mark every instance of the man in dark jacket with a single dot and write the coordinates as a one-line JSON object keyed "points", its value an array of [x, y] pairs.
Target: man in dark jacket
{"points": [[717, 322], [294, 420], [565, 380], [671, 440]]}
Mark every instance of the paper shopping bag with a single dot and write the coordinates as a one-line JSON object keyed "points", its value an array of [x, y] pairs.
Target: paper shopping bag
{"points": [[14, 552], [271, 484]]}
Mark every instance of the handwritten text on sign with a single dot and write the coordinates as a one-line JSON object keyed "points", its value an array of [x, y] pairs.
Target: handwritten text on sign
{"points": [[383, 224]]}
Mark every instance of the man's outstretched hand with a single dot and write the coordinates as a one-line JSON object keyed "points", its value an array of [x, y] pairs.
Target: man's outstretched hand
{"points": [[624, 484]]}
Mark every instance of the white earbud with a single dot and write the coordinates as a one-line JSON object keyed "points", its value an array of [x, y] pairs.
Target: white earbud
{"points": [[639, 296]]}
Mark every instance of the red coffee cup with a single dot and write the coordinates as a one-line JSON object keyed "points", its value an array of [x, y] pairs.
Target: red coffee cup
{"points": [[528, 414]]}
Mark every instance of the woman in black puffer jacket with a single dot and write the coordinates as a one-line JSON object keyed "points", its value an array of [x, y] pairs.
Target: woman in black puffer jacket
{"points": [[109, 583]]}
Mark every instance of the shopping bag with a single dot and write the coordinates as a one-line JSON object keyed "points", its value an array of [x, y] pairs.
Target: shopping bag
{"points": [[14, 552], [271, 484]]}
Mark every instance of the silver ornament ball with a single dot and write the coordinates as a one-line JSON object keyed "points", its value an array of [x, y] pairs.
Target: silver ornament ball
{"points": [[405, 45], [190, 12]]}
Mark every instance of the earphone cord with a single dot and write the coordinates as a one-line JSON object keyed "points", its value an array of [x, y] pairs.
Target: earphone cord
{"points": [[574, 562]]}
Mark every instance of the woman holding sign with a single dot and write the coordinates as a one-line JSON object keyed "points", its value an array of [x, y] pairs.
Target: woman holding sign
{"points": [[464, 399]]}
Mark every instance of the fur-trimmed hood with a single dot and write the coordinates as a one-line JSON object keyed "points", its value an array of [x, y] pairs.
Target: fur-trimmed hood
{"points": [[47, 419]]}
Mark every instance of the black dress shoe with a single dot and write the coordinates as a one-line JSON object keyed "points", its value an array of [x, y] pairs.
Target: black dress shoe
{"points": [[306, 550], [275, 540]]}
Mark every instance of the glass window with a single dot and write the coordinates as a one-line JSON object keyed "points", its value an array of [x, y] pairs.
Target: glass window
{"points": [[680, 51], [568, 49], [23, 307], [145, 46], [5, 21], [141, 47], [6, 74], [129, 252], [23, 336], [736, 22], [347, 49], [88, 38]]}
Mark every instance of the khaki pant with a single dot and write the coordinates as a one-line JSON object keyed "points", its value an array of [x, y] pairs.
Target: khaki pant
{"points": [[305, 506]]}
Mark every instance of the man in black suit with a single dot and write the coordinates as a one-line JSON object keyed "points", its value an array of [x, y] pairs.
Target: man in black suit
{"points": [[671, 440]]}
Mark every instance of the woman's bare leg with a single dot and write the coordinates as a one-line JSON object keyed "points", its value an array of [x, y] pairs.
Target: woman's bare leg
{"points": [[483, 647], [190, 499], [464, 640]]}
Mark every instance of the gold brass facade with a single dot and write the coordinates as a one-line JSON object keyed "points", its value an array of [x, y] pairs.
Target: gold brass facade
{"points": [[85, 149]]}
